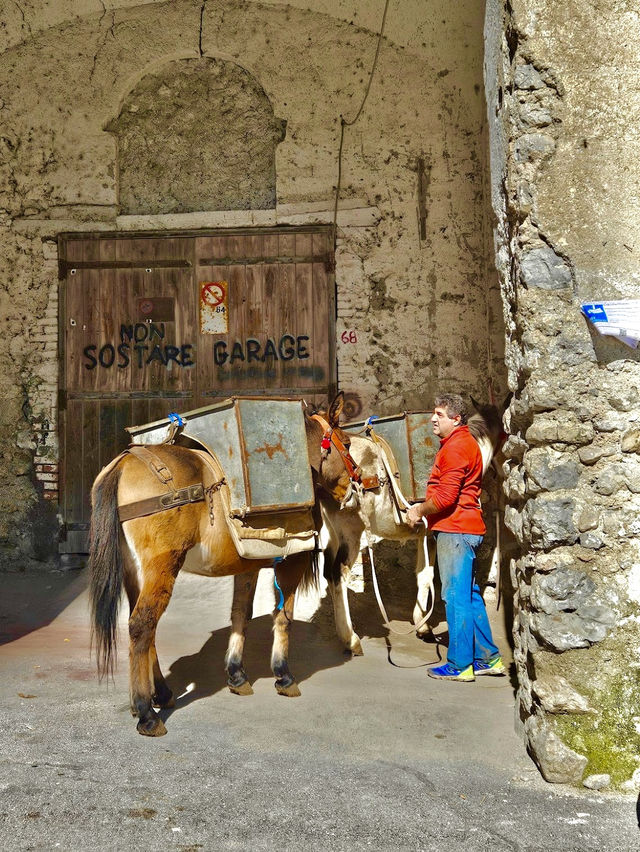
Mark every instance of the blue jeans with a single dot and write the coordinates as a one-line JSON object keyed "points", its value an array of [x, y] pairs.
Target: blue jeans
{"points": [[469, 631]]}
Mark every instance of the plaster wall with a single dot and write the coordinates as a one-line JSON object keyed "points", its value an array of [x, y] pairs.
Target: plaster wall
{"points": [[419, 313], [563, 91]]}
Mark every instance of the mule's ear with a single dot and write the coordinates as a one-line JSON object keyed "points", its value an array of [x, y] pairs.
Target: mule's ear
{"points": [[475, 404], [335, 410]]}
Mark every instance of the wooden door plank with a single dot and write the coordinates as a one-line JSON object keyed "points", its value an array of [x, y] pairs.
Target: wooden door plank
{"points": [[304, 243], [91, 326], [90, 452], [72, 463], [307, 344]]}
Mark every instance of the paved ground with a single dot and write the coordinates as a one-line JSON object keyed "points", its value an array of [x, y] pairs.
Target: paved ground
{"points": [[372, 756]]}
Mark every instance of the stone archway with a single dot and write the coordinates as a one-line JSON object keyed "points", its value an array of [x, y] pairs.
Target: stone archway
{"points": [[198, 134]]}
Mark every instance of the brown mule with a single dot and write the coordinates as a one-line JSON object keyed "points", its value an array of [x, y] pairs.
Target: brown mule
{"points": [[145, 555]]}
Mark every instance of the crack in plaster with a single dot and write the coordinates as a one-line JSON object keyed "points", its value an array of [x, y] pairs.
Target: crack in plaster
{"points": [[109, 32], [202, 10]]}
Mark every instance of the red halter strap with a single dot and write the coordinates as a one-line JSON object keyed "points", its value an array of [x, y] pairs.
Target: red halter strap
{"points": [[330, 437]]}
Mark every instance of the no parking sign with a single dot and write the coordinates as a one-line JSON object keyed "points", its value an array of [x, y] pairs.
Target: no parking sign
{"points": [[214, 314]]}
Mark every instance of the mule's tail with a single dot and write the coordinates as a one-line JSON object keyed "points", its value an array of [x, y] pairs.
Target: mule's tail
{"points": [[105, 569], [310, 580]]}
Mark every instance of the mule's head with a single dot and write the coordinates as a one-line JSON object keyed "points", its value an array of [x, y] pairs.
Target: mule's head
{"points": [[329, 451]]}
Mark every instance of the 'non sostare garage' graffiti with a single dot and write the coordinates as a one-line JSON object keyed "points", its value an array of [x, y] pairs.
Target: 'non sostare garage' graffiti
{"points": [[144, 343]]}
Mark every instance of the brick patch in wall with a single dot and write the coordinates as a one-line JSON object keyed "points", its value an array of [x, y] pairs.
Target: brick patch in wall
{"points": [[47, 474]]}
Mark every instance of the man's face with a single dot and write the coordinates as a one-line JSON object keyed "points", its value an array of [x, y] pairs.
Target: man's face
{"points": [[443, 425]]}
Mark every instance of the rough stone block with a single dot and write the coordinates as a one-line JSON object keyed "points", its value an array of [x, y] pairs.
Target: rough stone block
{"points": [[557, 762], [556, 695], [534, 146], [612, 421], [610, 481], [588, 519], [563, 589], [513, 522], [550, 470], [535, 115], [545, 562], [597, 782], [543, 268], [567, 430], [591, 541], [564, 631], [592, 453], [630, 442], [526, 77], [549, 521]]}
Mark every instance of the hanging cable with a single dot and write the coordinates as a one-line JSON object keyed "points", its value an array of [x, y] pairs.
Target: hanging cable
{"points": [[343, 121]]}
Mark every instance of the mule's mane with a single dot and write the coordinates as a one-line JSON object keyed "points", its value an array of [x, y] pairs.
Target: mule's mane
{"points": [[486, 428], [486, 424]]}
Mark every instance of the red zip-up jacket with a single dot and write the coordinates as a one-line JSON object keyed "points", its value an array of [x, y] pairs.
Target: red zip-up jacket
{"points": [[455, 484]]}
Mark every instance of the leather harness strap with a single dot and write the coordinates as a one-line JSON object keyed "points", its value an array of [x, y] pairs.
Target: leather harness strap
{"points": [[330, 437], [169, 500], [155, 465]]}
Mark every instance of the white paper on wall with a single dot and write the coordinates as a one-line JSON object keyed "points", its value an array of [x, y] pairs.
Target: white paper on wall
{"points": [[619, 319]]}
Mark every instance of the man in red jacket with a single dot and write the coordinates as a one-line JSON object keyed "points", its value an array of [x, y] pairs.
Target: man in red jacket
{"points": [[454, 515]]}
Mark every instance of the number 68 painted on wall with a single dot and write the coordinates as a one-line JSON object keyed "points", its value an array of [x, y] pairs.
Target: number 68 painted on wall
{"points": [[349, 336]]}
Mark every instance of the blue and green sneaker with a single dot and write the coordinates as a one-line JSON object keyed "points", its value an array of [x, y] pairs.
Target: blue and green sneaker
{"points": [[449, 672], [494, 667]]}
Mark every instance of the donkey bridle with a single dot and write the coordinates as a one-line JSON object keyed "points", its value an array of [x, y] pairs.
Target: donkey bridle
{"points": [[368, 483]]}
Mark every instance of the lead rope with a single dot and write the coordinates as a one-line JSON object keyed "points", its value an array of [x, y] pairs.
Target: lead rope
{"points": [[429, 568]]}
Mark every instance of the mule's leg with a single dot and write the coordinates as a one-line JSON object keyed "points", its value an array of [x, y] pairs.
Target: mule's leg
{"points": [[159, 576], [338, 591], [492, 589], [162, 695], [244, 587], [288, 575], [424, 574]]}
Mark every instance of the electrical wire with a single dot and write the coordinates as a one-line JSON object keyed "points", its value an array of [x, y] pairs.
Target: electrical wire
{"points": [[345, 123]]}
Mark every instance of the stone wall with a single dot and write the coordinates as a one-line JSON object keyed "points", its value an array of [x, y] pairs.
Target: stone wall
{"points": [[563, 88], [418, 303]]}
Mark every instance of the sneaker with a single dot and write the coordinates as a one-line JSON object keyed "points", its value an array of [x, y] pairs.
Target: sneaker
{"points": [[449, 672], [493, 667]]}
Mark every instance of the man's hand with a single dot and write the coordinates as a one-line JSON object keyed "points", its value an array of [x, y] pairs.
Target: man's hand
{"points": [[414, 516]]}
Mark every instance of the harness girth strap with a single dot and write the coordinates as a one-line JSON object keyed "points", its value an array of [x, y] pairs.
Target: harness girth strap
{"points": [[169, 500]]}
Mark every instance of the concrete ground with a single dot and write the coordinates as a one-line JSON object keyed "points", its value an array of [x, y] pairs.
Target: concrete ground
{"points": [[372, 756]]}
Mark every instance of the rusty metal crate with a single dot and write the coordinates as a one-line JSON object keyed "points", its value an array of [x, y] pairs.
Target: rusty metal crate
{"points": [[414, 444], [261, 444]]}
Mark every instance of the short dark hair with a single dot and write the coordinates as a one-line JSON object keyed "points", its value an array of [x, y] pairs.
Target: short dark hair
{"points": [[454, 404]]}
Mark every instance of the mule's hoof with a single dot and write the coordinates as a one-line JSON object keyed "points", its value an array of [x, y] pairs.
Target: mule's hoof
{"points": [[291, 691], [152, 727], [356, 648], [241, 689]]}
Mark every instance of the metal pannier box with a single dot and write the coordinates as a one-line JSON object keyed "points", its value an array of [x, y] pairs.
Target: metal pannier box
{"points": [[261, 444], [414, 444]]}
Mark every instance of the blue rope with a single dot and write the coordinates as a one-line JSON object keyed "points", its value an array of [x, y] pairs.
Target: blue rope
{"points": [[276, 562], [175, 418]]}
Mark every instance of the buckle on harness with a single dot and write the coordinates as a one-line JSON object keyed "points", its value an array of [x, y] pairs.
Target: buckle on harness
{"points": [[184, 495]]}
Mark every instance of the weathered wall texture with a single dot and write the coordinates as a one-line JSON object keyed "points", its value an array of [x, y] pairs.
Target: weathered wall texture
{"points": [[199, 134], [563, 83], [414, 314]]}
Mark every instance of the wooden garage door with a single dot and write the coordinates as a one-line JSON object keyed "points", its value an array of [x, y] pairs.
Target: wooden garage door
{"points": [[151, 325]]}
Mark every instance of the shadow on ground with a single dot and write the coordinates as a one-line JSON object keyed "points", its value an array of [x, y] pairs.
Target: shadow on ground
{"points": [[32, 600]]}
